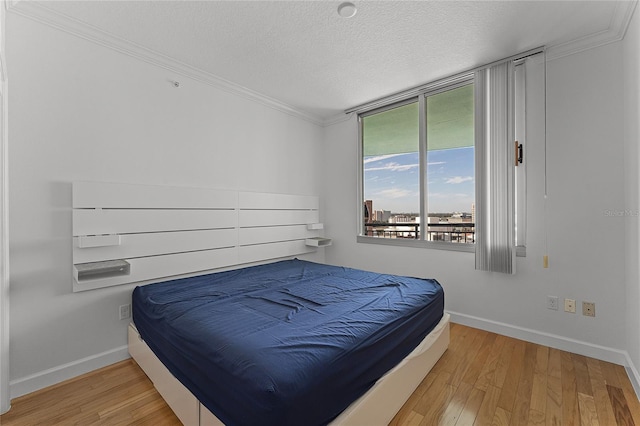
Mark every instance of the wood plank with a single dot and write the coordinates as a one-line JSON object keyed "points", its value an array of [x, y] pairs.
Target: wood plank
{"points": [[588, 413], [471, 408], [488, 407], [520, 412], [504, 361], [554, 389], [501, 417], [610, 374], [473, 372], [583, 384], [620, 407], [414, 419], [487, 374], [570, 410], [600, 393], [435, 400], [433, 404], [538, 401], [458, 347], [536, 418], [464, 356], [127, 403], [401, 418], [510, 384], [456, 404]]}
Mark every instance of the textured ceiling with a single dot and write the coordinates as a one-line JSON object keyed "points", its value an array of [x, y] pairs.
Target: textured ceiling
{"points": [[305, 55]]}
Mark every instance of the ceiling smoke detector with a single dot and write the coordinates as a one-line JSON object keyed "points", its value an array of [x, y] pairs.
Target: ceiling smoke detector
{"points": [[347, 9]]}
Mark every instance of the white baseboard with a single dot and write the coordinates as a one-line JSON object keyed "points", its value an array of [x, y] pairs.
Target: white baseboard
{"points": [[603, 353], [634, 377], [64, 372]]}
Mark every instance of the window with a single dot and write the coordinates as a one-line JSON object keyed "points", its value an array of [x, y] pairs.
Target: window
{"points": [[424, 182], [450, 166], [391, 166], [406, 177]]}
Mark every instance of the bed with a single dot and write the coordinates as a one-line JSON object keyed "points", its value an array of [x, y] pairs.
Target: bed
{"points": [[288, 343]]}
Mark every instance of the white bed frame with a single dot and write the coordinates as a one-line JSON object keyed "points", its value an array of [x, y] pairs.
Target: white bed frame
{"points": [[129, 233], [376, 407]]}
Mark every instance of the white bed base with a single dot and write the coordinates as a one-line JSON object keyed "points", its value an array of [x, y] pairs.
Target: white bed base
{"points": [[376, 407]]}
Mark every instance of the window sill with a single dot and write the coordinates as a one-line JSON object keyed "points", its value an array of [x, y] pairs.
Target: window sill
{"points": [[469, 248], [521, 251]]}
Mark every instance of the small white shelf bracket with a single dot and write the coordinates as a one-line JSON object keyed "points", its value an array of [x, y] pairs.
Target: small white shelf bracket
{"points": [[318, 242]]}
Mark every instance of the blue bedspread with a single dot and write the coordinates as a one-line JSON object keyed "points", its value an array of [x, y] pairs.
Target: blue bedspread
{"points": [[287, 343]]}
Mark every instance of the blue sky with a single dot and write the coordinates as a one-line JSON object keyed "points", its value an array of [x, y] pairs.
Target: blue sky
{"points": [[393, 181]]}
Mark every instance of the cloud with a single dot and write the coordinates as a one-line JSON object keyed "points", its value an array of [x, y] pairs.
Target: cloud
{"points": [[394, 167], [380, 157], [396, 193], [448, 195], [459, 179]]}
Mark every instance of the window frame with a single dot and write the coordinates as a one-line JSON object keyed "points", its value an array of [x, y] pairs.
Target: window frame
{"points": [[421, 98]]}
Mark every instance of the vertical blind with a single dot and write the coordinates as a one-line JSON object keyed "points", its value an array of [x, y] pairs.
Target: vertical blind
{"points": [[495, 189]]}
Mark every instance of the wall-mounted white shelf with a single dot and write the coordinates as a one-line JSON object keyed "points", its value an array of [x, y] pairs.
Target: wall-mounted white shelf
{"points": [[101, 270], [315, 226], [318, 242]]}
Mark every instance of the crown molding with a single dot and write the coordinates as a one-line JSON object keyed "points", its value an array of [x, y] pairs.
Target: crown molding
{"points": [[338, 118], [616, 31], [59, 21]]}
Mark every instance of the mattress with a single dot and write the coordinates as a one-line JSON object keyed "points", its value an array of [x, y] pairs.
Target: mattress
{"points": [[286, 343]]}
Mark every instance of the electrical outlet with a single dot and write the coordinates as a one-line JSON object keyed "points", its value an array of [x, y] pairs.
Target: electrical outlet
{"points": [[124, 311], [589, 309], [552, 302], [570, 305]]}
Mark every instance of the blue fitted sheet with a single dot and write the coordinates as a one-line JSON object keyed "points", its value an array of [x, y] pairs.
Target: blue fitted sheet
{"points": [[287, 343]]}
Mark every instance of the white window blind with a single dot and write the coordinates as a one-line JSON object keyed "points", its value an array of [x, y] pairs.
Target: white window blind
{"points": [[495, 151]]}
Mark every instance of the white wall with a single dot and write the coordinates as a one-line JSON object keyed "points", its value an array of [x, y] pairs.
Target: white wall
{"points": [[80, 111], [631, 61], [585, 246]]}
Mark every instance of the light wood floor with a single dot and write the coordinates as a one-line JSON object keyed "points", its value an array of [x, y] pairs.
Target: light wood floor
{"points": [[482, 379]]}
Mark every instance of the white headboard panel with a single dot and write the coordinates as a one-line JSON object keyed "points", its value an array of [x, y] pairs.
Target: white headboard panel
{"points": [[124, 233]]}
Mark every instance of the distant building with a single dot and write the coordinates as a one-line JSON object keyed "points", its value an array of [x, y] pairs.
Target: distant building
{"points": [[368, 216], [382, 215], [401, 219], [368, 211], [473, 212]]}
